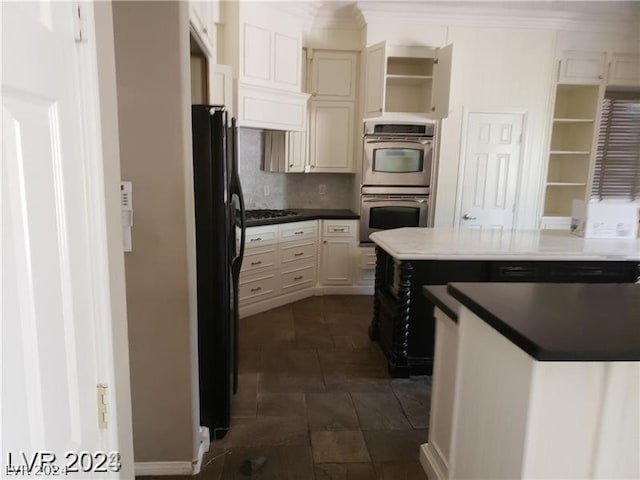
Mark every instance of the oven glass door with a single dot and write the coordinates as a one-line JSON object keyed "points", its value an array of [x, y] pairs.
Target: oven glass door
{"points": [[384, 213], [406, 162]]}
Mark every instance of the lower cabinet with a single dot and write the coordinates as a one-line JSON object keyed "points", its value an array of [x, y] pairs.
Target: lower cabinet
{"points": [[283, 264], [338, 250]]}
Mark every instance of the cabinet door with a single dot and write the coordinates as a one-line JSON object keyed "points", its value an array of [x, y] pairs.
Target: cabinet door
{"points": [[337, 265], [331, 137], [286, 61], [624, 70], [296, 152], [376, 72], [221, 86], [441, 82], [201, 17], [578, 67], [333, 75], [256, 53]]}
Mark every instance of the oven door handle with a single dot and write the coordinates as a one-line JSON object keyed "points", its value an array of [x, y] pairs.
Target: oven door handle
{"points": [[389, 200], [397, 140]]}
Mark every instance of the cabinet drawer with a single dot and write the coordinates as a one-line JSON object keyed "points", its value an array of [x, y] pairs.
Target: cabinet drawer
{"points": [[516, 271], [339, 228], [368, 258], [303, 277], [256, 287], [293, 252], [261, 236], [259, 258], [592, 272], [290, 232]]}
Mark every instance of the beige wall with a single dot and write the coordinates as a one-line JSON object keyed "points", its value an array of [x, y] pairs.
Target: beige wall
{"points": [[152, 64]]}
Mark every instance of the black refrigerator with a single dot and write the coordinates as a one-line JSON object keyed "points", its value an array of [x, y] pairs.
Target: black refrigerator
{"points": [[220, 232]]}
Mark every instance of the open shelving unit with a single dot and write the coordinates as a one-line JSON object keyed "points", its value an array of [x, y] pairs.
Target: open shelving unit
{"points": [[408, 84], [570, 151]]}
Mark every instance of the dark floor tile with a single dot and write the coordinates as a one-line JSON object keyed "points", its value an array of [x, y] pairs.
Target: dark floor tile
{"points": [[312, 333], [311, 306], [415, 397], [355, 378], [379, 411], [245, 402], [266, 328], [266, 431], [336, 303], [360, 356], [409, 470], [345, 471], [281, 405], [361, 304], [212, 465], [331, 411], [298, 360], [282, 463], [339, 447], [394, 445], [286, 382]]}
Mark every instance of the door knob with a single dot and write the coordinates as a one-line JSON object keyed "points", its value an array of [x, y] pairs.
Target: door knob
{"points": [[466, 216]]}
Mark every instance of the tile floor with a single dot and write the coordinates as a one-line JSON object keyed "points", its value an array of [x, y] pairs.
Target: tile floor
{"points": [[315, 398]]}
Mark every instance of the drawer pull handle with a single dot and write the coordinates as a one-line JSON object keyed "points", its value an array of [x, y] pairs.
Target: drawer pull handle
{"points": [[300, 232], [256, 263], [257, 239], [298, 254], [338, 229], [257, 289], [299, 277]]}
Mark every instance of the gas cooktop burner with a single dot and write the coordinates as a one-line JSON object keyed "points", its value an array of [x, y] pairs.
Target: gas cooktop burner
{"points": [[261, 214]]}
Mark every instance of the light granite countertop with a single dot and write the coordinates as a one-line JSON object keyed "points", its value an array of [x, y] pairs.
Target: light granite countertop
{"points": [[443, 243]]}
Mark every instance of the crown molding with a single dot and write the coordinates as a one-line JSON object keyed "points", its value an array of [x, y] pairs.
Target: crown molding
{"points": [[553, 15]]}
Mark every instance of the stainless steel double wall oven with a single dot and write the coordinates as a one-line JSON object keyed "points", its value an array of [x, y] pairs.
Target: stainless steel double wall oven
{"points": [[397, 167]]}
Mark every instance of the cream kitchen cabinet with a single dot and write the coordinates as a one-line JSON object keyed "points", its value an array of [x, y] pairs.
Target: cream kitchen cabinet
{"points": [[285, 152], [263, 43], [407, 81], [331, 136], [333, 75], [202, 17], [338, 251], [624, 70], [582, 67]]}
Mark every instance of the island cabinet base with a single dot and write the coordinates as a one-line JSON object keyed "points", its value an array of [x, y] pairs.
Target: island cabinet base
{"points": [[403, 319]]}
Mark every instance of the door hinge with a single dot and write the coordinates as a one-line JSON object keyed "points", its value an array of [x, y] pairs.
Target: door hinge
{"points": [[102, 406], [79, 22]]}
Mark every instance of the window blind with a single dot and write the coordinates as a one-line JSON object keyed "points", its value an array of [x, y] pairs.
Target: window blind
{"points": [[617, 165]]}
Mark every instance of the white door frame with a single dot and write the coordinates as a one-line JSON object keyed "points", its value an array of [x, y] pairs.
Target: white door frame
{"points": [[466, 112]]}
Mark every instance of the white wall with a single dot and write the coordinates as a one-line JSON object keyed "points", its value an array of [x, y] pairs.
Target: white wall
{"points": [[497, 70]]}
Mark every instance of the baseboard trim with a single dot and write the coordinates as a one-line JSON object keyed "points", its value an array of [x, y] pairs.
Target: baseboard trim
{"points": [[432, 464], [275, 302], [344, 290], [163, 468], [319, 290]]}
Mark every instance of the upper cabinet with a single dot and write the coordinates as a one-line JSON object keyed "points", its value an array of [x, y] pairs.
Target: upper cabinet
{"points": [[202, 17], [269, 49], [263, 44], [582, 67], [403, 81], [333, 75], [624, 70]]}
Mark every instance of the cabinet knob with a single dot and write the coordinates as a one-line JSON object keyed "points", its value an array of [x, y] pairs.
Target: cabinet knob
{"points": [[291, 165], [324, 241], [380, 110], [204, 30], [313, 166], [466, 216], [433, 109], [314, 94]]}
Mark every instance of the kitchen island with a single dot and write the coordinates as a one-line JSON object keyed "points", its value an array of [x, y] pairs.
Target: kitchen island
{"points": [[547, 383], [407, 258]]}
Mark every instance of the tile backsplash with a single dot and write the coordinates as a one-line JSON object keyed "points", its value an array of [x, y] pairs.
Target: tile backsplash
{"points": [[286, 190]]}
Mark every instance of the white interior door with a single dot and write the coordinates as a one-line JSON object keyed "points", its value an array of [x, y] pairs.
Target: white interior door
{"points": [[54, 280], [491, 164]]}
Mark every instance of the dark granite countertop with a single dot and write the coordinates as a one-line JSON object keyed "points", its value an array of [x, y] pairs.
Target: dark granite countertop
{"points": [[440, 297], [307, 214], [560, 322]]}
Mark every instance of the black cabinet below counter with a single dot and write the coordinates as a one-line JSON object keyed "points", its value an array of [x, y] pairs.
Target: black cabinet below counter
{"points": [[403, 322]]}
